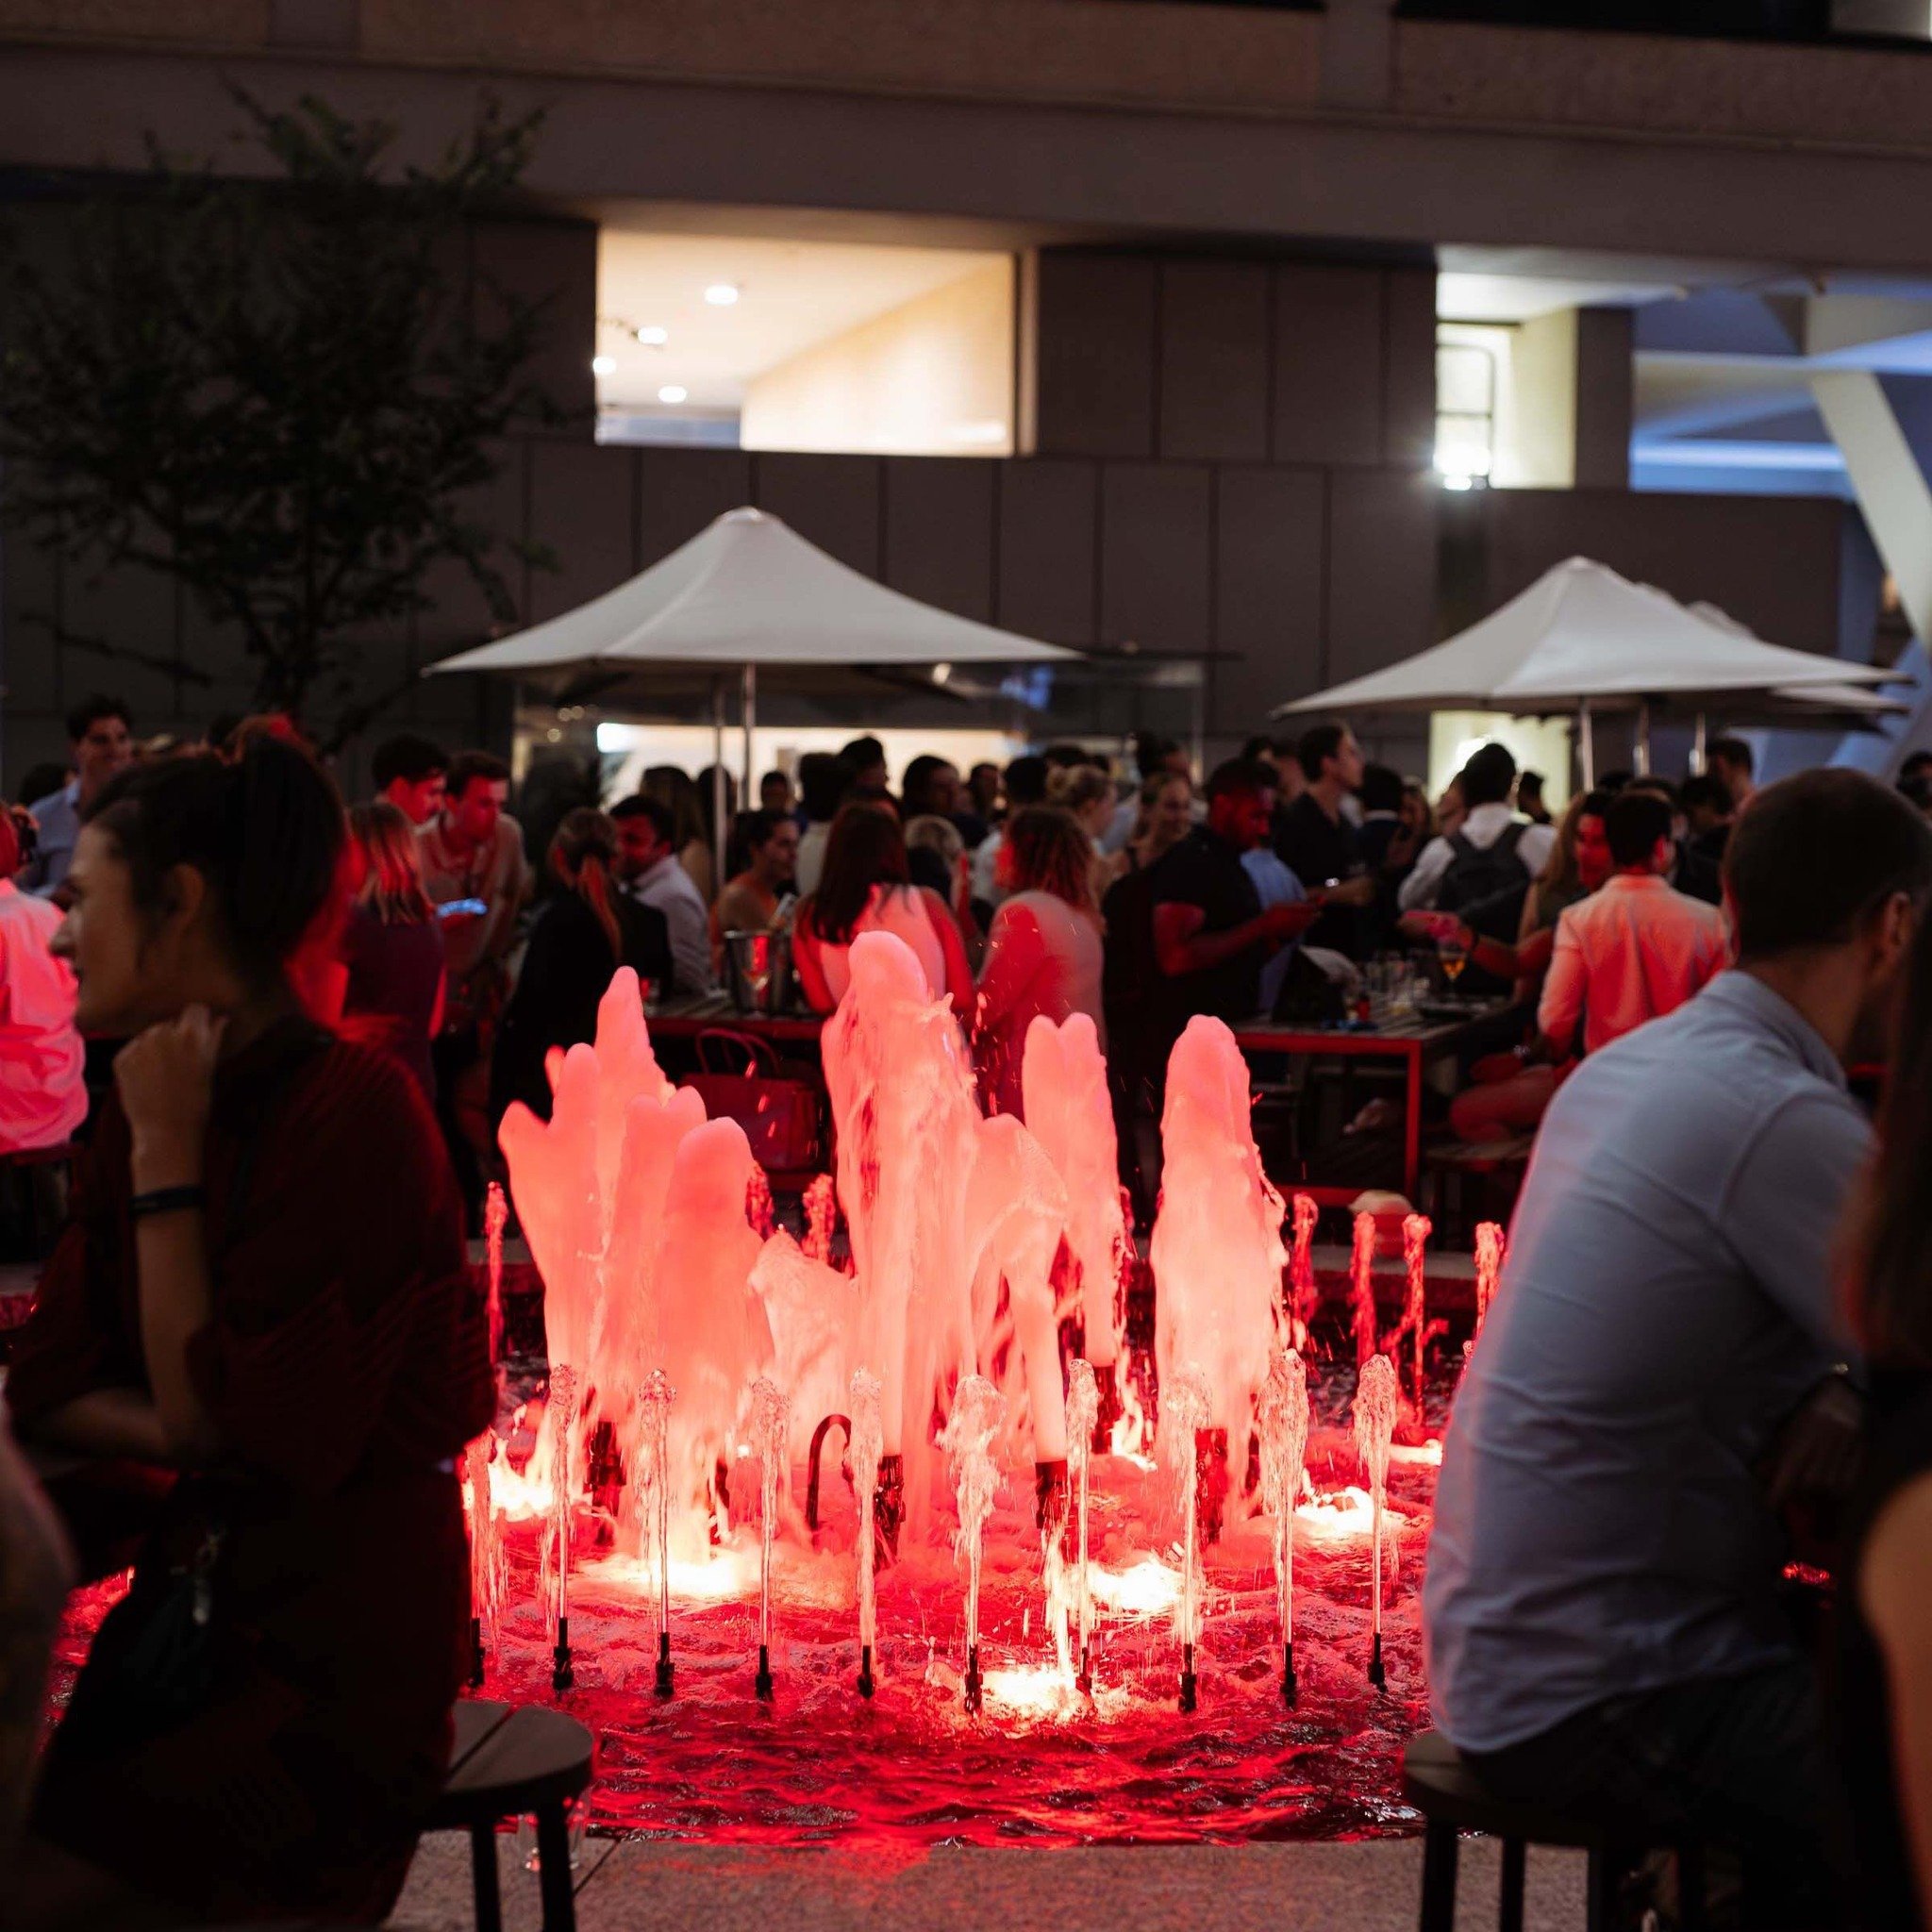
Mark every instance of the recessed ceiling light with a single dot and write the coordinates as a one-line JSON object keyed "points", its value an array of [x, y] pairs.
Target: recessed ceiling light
{"points": [[722, 295], [603, 365], [654, 338], [673, 392]]}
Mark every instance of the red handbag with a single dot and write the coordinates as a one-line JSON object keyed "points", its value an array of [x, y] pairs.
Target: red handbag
{"points": [[778, 1107]]}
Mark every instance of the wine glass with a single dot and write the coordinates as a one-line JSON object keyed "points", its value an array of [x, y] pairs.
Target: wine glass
{"points": [[1454, 954]]}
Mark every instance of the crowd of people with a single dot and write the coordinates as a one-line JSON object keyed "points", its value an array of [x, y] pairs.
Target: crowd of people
{"points": [[286, 1030]]}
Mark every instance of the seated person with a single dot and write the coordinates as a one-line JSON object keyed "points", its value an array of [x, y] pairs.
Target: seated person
{"points": [[584, 933], [264, 1288], [43, 1063], [1636, 949], [1602, 1607], [651, 872], [749, 902], [867, 887]]}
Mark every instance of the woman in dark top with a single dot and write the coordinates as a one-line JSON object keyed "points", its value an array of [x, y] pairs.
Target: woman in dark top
{"points": [[391, 945], [1885, 1662], [263, 1287], [586, 932]]}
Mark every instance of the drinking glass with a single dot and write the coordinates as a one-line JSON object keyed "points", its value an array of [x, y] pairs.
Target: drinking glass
{"points": [[576, 1816]]}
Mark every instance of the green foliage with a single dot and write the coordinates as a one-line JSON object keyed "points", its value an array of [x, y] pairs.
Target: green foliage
{"points": [[281, 392]]}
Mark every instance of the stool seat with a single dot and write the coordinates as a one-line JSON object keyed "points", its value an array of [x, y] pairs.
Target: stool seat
{"points": [[1438, 1782], [506, 1762], [1452, 1797]]}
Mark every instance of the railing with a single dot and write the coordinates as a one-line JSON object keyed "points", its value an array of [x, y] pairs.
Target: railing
{"points": [[1880, 23]]}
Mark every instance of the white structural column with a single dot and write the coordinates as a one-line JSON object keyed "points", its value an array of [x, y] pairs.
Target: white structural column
{"points": [[1896, 500]]}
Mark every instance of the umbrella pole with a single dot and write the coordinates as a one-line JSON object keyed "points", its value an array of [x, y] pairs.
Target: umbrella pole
{"points": [[1697, 746], [1586, 746], [718, 831], [748, 709], [1640, 752]]}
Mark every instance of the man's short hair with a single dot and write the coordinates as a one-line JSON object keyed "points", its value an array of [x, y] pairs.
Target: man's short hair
{"points": [[822, 777], [772, 778], [1025, 780], [1530, 783], [468, 766], [1636, 820], [1656, 787], [1734, 751], [641, 805], [1705, 789], [861, 753], [1381, 789], [408, 757], [1317, 745], [1919, 761], [1489, 775], [1152, 751], [1816, 856], [1245, 777], [90, 710]]}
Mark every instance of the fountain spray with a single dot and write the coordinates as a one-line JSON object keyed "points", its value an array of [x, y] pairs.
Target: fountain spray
{"points": [[1283, 1416], [562, 1416], [821, 1218], [495, 1218], [768, 1418], [1184, 1406], [1491, 1250], [1303, 1294], [1361, 1271], [485, 1553], [1083, 1414], [1416, 1229], [654, 1485], [1376, 1397], [978, 1409], [760, 1211], [864, 1437]]}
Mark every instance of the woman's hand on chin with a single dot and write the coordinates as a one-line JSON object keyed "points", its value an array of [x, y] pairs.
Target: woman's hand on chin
{"points": [[166, 1081]]}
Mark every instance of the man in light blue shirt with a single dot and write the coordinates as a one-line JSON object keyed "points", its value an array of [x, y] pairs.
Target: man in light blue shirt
{"points": [[1275, 884], [103, 744], [1601, 1609]]}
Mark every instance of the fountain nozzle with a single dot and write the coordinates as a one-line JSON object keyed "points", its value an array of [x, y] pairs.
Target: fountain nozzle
{"points": [[1377, 1676], [664, 1672], [1188, 1688], [562, 1677], [866, 1686], [762, 1684], [475, 1653], [973, 1680], [1108, 1407], [1291, 1686], [1083, 1681]]}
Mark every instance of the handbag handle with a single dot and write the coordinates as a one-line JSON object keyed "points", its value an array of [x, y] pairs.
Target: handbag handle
{"points": [[758, 1054]]}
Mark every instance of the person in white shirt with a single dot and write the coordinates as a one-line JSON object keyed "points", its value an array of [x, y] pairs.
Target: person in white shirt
{"points": [[1486, 782], [1637, 948], [42, 1092], [648, 867]]}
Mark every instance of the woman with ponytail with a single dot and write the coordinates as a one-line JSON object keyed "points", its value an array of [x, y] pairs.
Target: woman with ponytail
{"points": [[264, 1290], [586, 931]]}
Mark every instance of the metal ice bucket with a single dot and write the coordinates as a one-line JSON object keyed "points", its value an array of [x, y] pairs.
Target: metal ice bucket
{"points": [[757, 967]]}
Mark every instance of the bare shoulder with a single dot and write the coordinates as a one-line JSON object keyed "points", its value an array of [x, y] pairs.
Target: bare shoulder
{"points": [[1895, 1573]]}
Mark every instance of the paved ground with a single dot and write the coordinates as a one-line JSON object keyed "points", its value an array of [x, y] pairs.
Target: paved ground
{"points": [[1371, 1887]]}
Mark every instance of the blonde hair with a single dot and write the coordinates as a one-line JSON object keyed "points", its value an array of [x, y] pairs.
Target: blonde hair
{"points": [[392, 879], [1075, 788], [937, 835]]}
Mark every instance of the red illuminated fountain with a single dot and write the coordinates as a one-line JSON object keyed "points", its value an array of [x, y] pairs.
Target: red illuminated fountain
{"points": [[1016, 1619]]}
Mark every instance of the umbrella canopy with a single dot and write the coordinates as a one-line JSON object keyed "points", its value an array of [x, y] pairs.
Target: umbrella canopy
{"points": [[1850, 706], [750, 590], [1581, 634]]}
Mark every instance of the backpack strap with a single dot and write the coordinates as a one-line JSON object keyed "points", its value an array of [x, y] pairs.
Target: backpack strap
{"points": [[1461, 848], [1512, 838]]}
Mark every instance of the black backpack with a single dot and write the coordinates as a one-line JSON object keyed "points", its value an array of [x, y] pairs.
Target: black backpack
{"points": [[1479, 873]]}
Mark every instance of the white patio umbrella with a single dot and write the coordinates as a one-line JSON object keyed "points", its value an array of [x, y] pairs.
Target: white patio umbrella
{"points": [[748, 592], [1582, 637]]}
